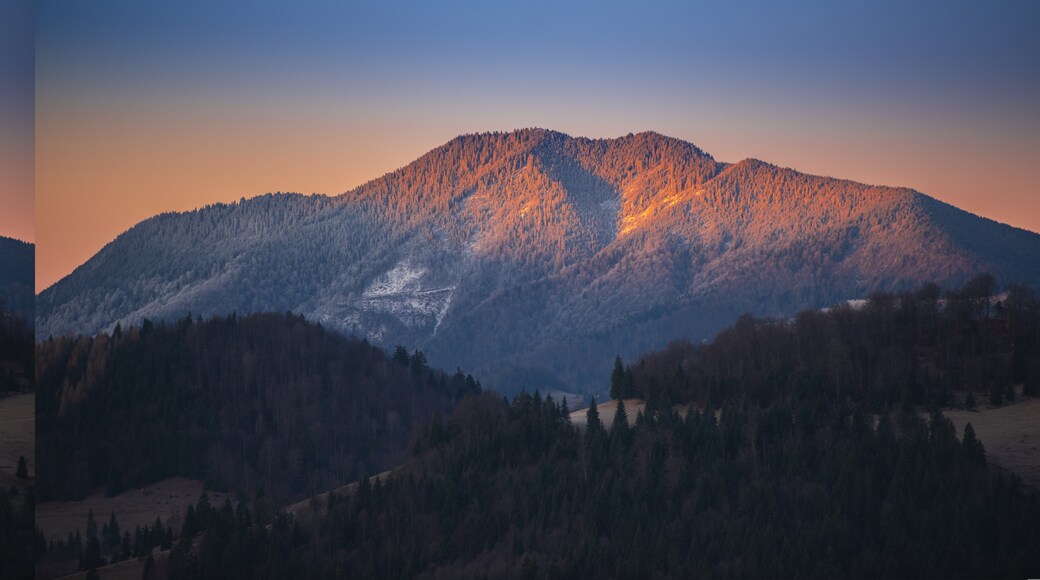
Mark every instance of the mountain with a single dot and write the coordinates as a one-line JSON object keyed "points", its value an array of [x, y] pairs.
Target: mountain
{"points": [[264, 402], [533, 257], [17, 259]]}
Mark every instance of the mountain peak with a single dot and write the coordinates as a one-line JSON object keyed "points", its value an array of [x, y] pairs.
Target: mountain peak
{"points": [[514, 253]]}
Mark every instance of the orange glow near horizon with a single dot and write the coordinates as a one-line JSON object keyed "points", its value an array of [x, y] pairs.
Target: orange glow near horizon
{"points": [[99, 174], [102, 168], [143, 108], [17, 218]]}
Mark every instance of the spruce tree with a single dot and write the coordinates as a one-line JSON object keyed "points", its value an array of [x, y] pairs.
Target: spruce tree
{"points": [[592, 418], [996, 394], [113, 537], [620, 417], [617, 380], [91, 525], [973, 449]]}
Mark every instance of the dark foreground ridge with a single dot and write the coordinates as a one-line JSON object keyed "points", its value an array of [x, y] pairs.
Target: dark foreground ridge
{"points": [[263, 402]]}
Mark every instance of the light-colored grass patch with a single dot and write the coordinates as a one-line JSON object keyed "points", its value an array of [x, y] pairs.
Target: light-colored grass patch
{"points": [[17, 435], [1010, 434]]}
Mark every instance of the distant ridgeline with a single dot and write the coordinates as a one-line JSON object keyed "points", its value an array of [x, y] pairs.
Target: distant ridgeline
{"points": [[266, 401], [17, 273], [532, 258]]}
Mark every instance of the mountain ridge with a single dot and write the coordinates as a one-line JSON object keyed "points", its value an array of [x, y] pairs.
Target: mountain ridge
{"points": [[519, 254]]}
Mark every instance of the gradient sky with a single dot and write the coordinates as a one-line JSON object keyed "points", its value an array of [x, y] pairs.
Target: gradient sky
{"points": [[16, 119], [146, 106]]}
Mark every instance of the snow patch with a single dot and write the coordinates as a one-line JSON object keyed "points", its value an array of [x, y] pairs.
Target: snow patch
{"points": [[401, 293], [401, 279]]}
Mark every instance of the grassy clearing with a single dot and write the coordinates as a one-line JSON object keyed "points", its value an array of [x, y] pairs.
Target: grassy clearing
{"points": [[168, 499], [17, 435], [1011, 435]]}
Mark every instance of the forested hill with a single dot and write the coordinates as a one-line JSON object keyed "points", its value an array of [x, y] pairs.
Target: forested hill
{"points": [[16, 353], [532, 257], [818, 465], [17, 259], [922, 347], [267, 401]]}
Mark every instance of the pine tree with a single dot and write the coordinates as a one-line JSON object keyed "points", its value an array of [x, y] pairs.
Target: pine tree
{"points": [[969, 401], [113, 536], [400, 356], [92, 555], [592, 418], [620, 417], [91, 526], [973, 449], [996, 394], [617, 379]]}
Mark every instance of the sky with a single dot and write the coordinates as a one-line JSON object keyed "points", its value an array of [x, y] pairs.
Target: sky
{"points": [[16, 120], [145, 106]]}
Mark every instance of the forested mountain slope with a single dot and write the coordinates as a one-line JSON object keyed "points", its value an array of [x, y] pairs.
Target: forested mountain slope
{"points": [[532, 257]]}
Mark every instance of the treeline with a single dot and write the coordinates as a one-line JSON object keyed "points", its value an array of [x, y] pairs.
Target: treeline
{"points": [[800, 489], [16, 352], [109, 543], [268, 401], [924, 347]]}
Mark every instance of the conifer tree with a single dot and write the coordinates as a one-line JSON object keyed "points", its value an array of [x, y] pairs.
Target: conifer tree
{"points": [[620, 417], [617, 379], [973, 449], [593, 422]]}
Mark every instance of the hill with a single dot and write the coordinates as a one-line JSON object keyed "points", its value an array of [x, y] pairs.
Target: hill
{"points": [[17, 263], [917, 348], [532, 257], [261, 403]]}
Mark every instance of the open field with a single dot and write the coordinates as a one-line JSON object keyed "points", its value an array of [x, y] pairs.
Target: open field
{"points": [[608, 409], [1011, 435], [168, 499], [17, 434]]}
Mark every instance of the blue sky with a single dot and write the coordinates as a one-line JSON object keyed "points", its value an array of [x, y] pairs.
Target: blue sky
{"points": [[16, 119], [940, 96]]}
